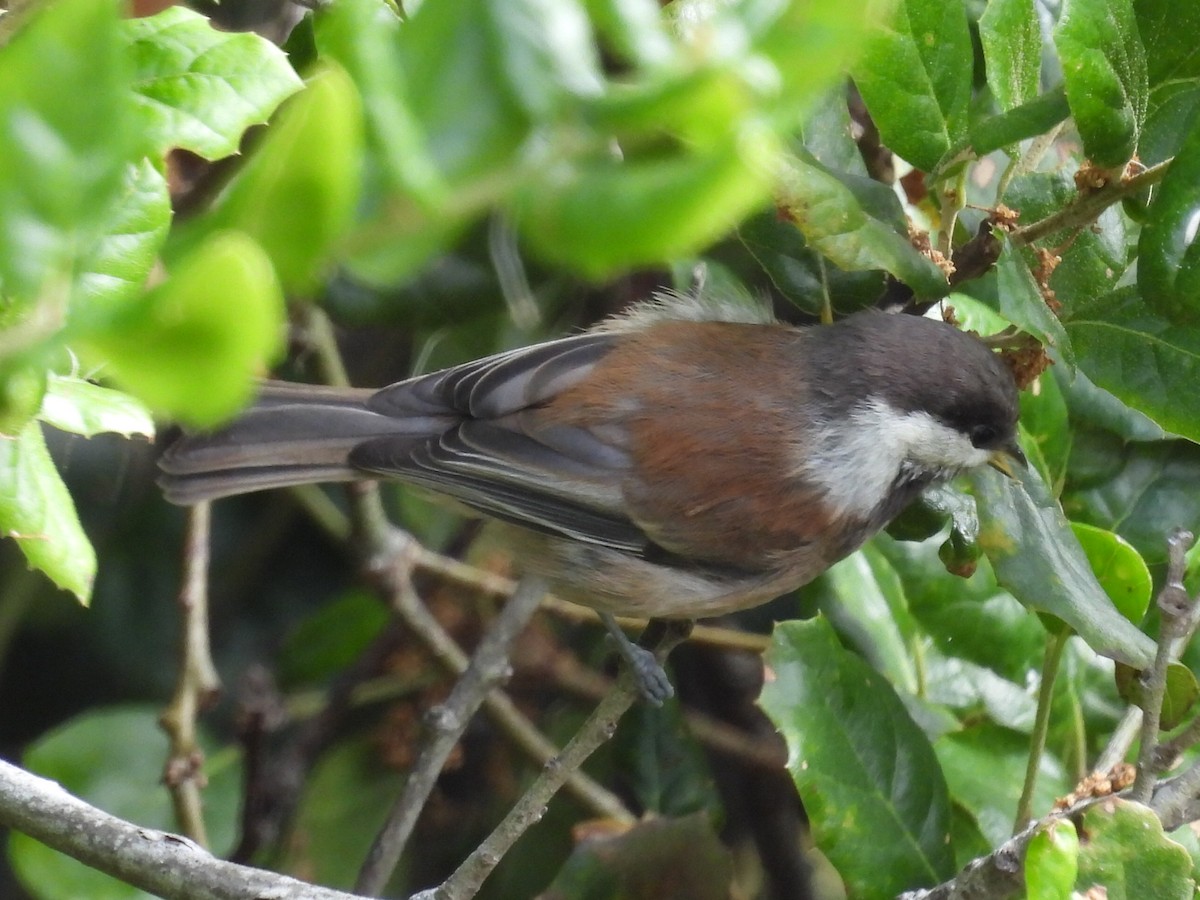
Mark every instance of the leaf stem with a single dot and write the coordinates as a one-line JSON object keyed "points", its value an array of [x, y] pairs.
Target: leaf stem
{"points": [[1041, 724]]}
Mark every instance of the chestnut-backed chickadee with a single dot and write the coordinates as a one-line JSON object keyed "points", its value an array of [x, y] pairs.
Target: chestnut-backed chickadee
{"points": [[678, 461]]}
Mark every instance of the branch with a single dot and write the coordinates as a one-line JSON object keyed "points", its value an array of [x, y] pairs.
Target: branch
{"points": [[197, 684], [163, 864], [599, 727], [1088, 206], [488, 668]]}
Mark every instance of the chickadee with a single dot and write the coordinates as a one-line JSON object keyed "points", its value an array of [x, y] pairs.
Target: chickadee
{"points": [[676, 462]]}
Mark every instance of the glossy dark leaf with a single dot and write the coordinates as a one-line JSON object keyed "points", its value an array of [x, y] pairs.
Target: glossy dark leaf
{"points": [[869, 779], [1168, 250], [1144, 360], [1168, 29], [1038, 559]]}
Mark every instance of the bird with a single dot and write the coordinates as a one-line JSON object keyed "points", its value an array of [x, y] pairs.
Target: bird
{"points": [[689, 458]]}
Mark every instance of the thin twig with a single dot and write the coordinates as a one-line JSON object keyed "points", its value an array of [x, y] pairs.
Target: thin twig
{"points": [[489, 667], [599, 727], [1175, 606], [196, 685]]}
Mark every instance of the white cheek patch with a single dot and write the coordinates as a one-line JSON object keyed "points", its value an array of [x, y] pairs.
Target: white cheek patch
{"points": [[857, 462]]}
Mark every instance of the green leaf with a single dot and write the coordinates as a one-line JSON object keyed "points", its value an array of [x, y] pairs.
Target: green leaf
{"points": [[985, 769], [361, 35], [1052, 862], [866, 604], [296, 196], [113, 758], [1168, 252], [1144, 360], [80, 407], [633, 863], [1012, 48], [915, 77], [118, 264], [608, 215], [191, 348], [1028, 120], [855, 223], [1022, 303], [1038, 559], [36, 510], [1119, 568], [1168, 120], [199, 88], [1104, 70], [1044, 424], [22, 387], [546, 53], [869, 779], [1138, 490], [1169, 28], [65, 140], [1128, 855]]}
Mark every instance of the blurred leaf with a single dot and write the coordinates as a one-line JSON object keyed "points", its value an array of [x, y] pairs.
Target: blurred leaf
{"points": [[546, 53], [80, 407], [22, 387], [1145, 361], [37, 512], [607, 215], [1052, 861], [967, 618], [1168, 252], [345, 802], [1128, 855], [1037, 558], [866, 604], [655, 858], [65, 141], [297, 194], [1145, 490], [361, 35], [117, 266], [1104, 69], [1119, 568], [1168, 119], [1012, 48], [1179, 697], [855, 223], [867, 775], [970, 690], [1168, 28], [112, 757], [199, 88], [985, 769], [663, 764], [801, 274], [182, 351], [915, 76], [331, 638]]}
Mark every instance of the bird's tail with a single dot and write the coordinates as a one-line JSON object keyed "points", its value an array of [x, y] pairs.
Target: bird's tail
{"points": [[294, 434]]}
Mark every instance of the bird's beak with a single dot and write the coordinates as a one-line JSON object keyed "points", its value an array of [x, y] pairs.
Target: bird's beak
{"points": [[1006, 459]]}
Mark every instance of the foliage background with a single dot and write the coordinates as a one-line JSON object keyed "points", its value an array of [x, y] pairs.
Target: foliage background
{"points": [[468, 177]]}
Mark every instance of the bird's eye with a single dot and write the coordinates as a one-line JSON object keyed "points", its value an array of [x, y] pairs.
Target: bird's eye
{"points": [[983, 436]]}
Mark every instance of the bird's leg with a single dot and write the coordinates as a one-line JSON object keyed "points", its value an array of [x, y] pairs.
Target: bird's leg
{"points": [[648, 673]]}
